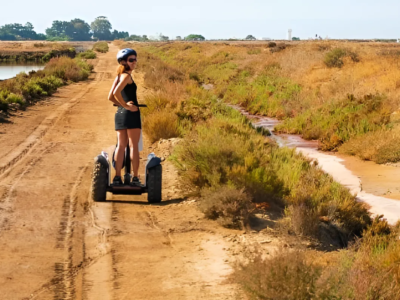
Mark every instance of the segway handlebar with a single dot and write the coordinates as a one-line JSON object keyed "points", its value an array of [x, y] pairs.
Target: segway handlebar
{"points": [[140, 105]]}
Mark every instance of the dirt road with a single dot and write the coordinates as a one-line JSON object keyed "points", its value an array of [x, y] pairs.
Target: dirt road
{"points": [[56, 244]]}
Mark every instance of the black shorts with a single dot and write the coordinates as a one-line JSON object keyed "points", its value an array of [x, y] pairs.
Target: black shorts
{"points": [[126, 119]]}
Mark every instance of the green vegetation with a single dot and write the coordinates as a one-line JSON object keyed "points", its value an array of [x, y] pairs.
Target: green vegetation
{"points": [[234, 167], [89, 54], [250, 38], [100, 47], [221, 149], [25, 89], [13, 32], [334, 58], [101, 28], [340, 112], [137, 38], [336, 122], [74, 30], [195, 37]]}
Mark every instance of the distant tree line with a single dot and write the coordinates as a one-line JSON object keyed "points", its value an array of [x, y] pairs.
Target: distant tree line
{"points": [[74, 30], [12, 32], [79, 30]]}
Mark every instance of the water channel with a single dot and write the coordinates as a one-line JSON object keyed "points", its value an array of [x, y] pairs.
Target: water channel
{"points": [[367, 180], [11, 69]]}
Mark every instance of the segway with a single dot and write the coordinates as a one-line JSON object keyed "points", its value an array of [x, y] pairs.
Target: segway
{"points": [[101, 177]]}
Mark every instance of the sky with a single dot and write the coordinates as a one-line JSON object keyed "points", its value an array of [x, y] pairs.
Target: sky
{"points": [[340, 19]]}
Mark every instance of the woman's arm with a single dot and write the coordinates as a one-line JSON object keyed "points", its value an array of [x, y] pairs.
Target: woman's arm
{"points": [[124, 79], [111, 93]]}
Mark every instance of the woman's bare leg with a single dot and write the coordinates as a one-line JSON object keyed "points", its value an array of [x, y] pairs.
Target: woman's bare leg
{"points": [[120, 150], [134, 136]]}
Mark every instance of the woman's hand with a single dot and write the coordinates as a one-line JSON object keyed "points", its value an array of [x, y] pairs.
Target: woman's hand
{"points": [[130, 106]]}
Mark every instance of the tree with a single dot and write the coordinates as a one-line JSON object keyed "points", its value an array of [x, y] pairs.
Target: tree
{"points": [[250, 38], [61, 30], [137, 38], [81, 30], [101, 28], [18, 32], [163, 38], [295, 39], [195, 37], [116, 35]]}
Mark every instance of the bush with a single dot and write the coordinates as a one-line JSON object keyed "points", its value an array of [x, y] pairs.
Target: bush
{"points": [[24, 88], [89, 54], [101, 47], [227, 152], [7, 98], [367, 270], [334, 58], [68, 69], [284, 276], [161, 125], [334, 123], [229, 206]]}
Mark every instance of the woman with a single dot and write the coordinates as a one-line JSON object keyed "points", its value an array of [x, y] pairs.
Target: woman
{"points": [[127, 118]]}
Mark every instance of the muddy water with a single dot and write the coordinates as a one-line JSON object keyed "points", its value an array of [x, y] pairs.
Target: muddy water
{"points": [[376, 185], [10, 70]]}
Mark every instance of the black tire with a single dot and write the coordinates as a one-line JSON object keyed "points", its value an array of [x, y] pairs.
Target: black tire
{"points": [[154, 184], [99, 182]]}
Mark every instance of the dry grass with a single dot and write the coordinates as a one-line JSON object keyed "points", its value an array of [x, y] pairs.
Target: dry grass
{"points": [[229, 206], [228, 150], [161, 125], [219, 148], [295, 84], [369, 269]]}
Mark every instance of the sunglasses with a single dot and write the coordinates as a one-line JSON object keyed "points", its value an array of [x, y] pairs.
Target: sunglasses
{"points": [[131, 60]]}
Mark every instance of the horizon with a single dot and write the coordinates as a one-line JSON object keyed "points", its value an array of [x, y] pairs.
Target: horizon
{"points": [[357, 20]]}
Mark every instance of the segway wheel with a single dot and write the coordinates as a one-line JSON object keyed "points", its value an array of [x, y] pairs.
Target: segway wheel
{"points": [[154, 184], [99, 182]]}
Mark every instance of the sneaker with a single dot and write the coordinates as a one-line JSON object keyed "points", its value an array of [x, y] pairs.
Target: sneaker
{"points": [[117, 180], [136, 181], [127, 179]]}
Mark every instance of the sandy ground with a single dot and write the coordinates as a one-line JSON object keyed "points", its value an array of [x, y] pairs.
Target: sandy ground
{"points": [[57, 244]]}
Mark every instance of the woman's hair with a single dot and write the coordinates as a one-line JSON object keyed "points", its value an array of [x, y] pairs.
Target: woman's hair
{"points": [[122, 68]]}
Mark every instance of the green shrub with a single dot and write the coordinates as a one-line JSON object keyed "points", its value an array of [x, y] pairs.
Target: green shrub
{"points": [[226, 151], [7, 98], [334, 123], [334, 58], [101, 47], [89, 54], [268, 94], [25, 87]]}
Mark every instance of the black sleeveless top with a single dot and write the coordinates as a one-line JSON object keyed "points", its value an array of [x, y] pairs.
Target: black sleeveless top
{"points": [[129, 92], [126, 119]]}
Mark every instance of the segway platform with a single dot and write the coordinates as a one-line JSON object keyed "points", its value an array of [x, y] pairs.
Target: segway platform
{"points": [[101, 178]]}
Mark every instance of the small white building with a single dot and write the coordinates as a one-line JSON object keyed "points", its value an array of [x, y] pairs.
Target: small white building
{"points": [[289, 36]]}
